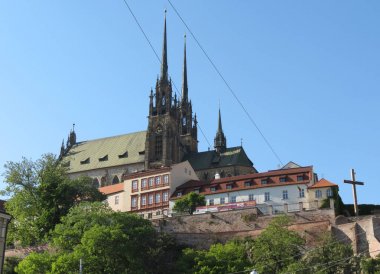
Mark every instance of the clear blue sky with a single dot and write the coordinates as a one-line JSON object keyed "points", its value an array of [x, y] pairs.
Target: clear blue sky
{"points": [[308, 72]]}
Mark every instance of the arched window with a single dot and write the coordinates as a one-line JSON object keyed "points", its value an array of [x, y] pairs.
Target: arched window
{"points": [[95, 182], [158, 147], [115, 180], [103, 181]]}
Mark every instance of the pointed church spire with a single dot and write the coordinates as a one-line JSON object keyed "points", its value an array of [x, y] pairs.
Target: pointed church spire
{"points": [[184, 75], [164, 60], [220, 142], [220, 129]]}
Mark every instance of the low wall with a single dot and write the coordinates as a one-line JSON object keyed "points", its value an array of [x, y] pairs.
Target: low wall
{"points": [[200, 231]]}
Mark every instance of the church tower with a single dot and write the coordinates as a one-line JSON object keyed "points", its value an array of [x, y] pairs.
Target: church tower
{"points": [[162, 140], [188, 127], [220, 142], [171, 133]]}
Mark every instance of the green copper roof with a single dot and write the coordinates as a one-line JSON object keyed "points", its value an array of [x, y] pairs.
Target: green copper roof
{"points": [[106, 152], [234, 156]]}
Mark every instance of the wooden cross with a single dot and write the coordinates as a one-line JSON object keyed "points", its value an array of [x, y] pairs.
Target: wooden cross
{"points": [[353, 182]]}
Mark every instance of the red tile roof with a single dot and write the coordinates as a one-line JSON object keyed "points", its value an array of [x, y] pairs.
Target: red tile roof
{"points": [[112, 188], [323, 183]]}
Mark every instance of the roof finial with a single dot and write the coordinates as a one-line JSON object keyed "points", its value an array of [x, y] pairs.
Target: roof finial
{"points": [[164, 61]]}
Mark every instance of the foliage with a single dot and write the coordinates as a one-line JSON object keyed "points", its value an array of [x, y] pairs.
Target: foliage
{"points": [[220, 258], [276, 247], [189, 203], [107, 242], [41, 193], [330, 256], [370, 265], [9, 264], [36, 263]]}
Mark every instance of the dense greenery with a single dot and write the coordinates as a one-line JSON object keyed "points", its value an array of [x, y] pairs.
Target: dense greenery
{"points": [[41, 193], [189, 202], [106, 241]]}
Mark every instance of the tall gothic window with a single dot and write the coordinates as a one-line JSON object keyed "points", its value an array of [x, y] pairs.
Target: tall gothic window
{"points": [[158, 148]]}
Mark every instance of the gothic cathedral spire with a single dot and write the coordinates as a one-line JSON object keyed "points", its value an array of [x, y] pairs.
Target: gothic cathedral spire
{"points": [[164, 60], [184, 76], [220, 142]]}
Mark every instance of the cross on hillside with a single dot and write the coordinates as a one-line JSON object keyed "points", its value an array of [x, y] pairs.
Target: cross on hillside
{"points": [[353, 182]]}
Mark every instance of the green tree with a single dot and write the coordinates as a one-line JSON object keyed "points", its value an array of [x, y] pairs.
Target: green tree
{"points": [[41, 193], [370, 265], [329, 257], [276, 247], [189, 203], [107, 242], [10, 264], [36, 263], [220, 258]]}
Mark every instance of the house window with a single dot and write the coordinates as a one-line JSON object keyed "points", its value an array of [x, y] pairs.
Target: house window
{"points": [[117, 200], [251, 197], [158, 180], [143, 183], [165, 196], [135, 186], [213, 189], [267, 196], [248, 184], [229, 186], [196, 190], [264, 181], [329, 193], [143, 200], [150, 215], [232, 199], [318, 194], [222, 200], [158, 198], [284, 194], [150, 201], [282, 179], [166, 179], [211, 202], [151, 181], [300, 178], [301, 192], [134, 202], [179, 194], [158, 213]]}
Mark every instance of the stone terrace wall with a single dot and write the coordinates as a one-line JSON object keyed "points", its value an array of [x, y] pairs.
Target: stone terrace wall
{"points": [[202, 230], [363, 233]]}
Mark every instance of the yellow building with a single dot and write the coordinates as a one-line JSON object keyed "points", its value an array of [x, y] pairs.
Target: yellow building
{"points": [[147, 193]]}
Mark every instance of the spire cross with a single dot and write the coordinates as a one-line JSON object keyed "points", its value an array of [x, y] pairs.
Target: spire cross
{"points": [[353, 182]]}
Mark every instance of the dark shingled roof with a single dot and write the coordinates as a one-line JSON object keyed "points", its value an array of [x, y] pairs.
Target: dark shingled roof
{"points": [[234, 156]]}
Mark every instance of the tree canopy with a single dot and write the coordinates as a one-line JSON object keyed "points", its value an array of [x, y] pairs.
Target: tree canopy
{"points": [[189, 202], [41, 193], [106, 241]]}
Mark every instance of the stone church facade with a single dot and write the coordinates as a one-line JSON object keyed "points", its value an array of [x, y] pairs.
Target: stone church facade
{"points": [[171, 137]]}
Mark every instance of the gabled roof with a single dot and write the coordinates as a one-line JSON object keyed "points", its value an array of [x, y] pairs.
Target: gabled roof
{"points": [[323, 183], [291, 165], [111, 189], [234, 156], [106, 152]]}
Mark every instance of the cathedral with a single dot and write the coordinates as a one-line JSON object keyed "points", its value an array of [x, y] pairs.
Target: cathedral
{"points": [[171, 137]]}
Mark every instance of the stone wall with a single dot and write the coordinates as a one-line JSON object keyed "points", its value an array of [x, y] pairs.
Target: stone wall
{"points": [[363, 233], [200, 231]]}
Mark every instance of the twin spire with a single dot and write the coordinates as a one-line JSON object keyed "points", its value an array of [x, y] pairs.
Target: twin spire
{"points": [[164, 64]]}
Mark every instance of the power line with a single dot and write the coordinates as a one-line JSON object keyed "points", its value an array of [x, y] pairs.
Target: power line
{"points": [[226, 83], [158, 58]]}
